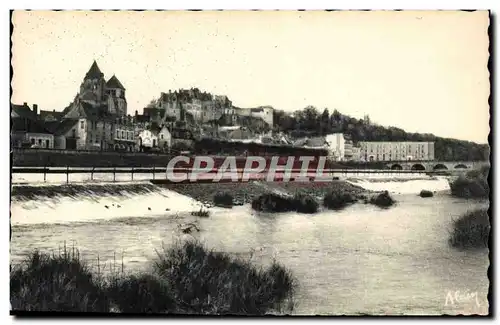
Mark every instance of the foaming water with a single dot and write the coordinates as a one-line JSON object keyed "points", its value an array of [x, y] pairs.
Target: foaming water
{"points": [[101, 202], [358, 260], [402, 186]]}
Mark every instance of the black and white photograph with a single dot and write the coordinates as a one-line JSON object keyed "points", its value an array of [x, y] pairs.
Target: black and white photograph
{"points": [[250, 163]]}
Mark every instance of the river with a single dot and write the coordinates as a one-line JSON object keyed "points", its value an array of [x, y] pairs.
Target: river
{"points": [[361, 260]]}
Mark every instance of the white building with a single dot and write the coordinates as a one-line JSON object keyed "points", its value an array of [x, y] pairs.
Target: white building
{"points": [[336, 146], [396, 151], [147, 140], [164, 139]]}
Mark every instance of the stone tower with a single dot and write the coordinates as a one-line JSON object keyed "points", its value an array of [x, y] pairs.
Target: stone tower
{"points": [[117, 104], [92, 89]]}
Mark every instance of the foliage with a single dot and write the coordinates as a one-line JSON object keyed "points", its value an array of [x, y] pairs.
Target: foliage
{"points": [[270, 202], [473, 185], [209, 282], [224, 200], [471, 230], [185, 278], [305, 203], [56, 283], [336, 200]]}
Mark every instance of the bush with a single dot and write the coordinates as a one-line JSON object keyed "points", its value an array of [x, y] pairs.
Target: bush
{"points": [[271, 202], [56, 283], [383, 200], [141, 294], [224, 200], [305, 203], [185, 279], [208, 282], [471, 230], [336, 200], [426, 193], [471, 186]]}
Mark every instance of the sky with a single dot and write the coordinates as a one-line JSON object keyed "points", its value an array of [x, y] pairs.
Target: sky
{"points": [[422, 71]]}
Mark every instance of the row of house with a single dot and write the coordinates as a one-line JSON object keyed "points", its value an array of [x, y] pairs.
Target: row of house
{"points": [[29, 129]]}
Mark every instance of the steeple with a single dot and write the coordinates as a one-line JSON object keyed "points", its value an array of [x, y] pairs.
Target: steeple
{"points": [[94, 72], [113, 82]]}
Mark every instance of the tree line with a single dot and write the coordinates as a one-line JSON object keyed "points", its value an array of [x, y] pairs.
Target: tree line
{"points": [[310, 122]]}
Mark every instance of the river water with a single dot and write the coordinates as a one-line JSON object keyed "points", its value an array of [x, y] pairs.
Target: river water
{"points": [[361, 260]]}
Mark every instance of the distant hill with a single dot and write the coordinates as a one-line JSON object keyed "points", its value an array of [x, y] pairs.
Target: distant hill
{"points": [[309, 122]]}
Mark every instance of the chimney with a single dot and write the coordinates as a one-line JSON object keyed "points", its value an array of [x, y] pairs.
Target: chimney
{"points": [[136, 113], [25, 104], [35, 109]]}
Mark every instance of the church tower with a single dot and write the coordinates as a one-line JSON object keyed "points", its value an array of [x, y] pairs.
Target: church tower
{"points": [[115, 91], [92, 89]]}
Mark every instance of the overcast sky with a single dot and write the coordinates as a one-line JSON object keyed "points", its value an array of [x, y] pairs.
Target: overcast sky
{"points": [[420, 71]]}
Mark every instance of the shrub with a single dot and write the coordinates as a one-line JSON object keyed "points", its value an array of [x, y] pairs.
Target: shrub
{"points": [[305, 203], [224, 200], [141, 294], [470, 187], [336, 200], [383, 200], [185, 279], [56, 283], [426, 193], [208, 282], [271, 202], [471, 230]]}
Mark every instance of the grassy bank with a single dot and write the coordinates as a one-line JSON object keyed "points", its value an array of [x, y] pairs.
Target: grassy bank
{"points": [[187, 278], [471, 230]]}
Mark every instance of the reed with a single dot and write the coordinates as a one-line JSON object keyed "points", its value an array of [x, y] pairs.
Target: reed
{"points": [[186, 278]]}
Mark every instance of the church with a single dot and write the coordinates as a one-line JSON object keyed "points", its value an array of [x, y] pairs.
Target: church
{"points": [[101, 111]]}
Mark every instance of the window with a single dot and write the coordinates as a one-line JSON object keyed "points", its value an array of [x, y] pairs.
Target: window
{"points": [[123, 134], [74, 133], [117, 133], [47, 144], [82, 125], [40, 142], [161, 136], [32, 141]]}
